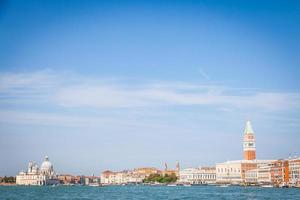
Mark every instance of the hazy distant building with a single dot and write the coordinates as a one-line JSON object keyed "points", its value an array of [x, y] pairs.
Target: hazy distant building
{"points": [[294, 172], [38, 176], [112, 178], [66, 179], [127, 176], [264, 173], [89, 180], [280, 172], [233, 171], [171, 171], [202, 175], [261, 175], [251, 176]]}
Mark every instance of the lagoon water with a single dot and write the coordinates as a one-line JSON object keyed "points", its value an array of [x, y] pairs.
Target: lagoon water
{"points": [[144, 192]]}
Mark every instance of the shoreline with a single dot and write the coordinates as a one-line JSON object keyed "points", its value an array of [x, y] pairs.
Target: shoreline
{"points": [[101, 186], [8, 184]]}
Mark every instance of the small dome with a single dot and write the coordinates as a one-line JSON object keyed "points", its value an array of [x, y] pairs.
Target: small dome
{"points": [[46, 165]]}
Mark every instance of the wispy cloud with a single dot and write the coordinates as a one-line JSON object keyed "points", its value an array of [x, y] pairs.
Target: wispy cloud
{"points": [[76, 91], [69, 120], [203, 74]]}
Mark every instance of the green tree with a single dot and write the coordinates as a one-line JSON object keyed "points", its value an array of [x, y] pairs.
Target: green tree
{"points": [[10, 179], [152, 178]]}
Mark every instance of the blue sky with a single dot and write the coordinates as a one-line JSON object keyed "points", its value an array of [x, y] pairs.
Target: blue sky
{"points": [[122, 84]]}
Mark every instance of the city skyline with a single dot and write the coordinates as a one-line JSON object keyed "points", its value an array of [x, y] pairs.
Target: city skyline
{"points": [[119, 85], [248, 171]]}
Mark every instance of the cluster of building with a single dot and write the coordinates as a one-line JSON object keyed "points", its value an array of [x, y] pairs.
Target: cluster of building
{"points": [[45, 175], [249, 171], [198, 176], [135, 176], [67, 179]]}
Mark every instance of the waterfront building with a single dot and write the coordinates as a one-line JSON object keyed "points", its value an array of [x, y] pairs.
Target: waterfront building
{"points": [[112, 178], [133, 178], [275, 172], [264, 173], [294, 172], [45, 175], [251, 176], [146, 171], [280, 172], [79, 179], [86, 180], [127, 176], [261, 175], [234, 171], [90, 180], [66, 179], [202, 175], [139, 174], [243, 171]]}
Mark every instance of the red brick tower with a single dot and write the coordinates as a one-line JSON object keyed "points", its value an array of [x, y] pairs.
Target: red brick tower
{"points": [[249, 143]]}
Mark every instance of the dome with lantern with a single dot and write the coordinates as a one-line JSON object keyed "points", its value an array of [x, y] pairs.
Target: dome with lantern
{"points": [[47, 167]]}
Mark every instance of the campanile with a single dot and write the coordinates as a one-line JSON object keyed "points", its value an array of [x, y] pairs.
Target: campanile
{"points": [[249, 143]]}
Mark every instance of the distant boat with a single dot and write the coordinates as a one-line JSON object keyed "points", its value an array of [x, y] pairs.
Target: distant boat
{"points": [[283, 185], [224, 185], [187, 185], [171, 185], [94, 185], [267, 186], [155, 184]]}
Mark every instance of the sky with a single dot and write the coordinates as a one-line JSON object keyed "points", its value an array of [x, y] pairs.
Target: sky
{"points": [[116, 85]]}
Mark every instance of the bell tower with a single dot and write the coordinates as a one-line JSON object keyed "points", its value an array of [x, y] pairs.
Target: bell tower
{"points": [[249, 143]]}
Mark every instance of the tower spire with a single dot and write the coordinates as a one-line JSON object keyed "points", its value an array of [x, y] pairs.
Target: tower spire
{"points": [[177, 166], [166, 166], [248, 128]]}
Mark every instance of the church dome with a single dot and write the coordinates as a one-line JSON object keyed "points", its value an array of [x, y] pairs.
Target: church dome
{"points": [[46, 165]]}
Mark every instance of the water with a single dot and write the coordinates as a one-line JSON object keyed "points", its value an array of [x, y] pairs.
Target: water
{"points": [[145, 192]]}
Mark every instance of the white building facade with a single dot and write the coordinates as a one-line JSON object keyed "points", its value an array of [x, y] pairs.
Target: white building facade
{"points": [[264, 172], [229, 172], [251, 176], [294, 172], [112, 178], [204, 175], [35, 176], [244, 171]]}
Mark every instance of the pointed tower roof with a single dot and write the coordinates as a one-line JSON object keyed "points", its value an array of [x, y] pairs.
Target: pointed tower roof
{"points": [[248, 128]]}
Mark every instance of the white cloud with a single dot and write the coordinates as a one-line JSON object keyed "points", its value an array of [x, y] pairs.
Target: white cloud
{"points": [[76, 91], [22, 117], [116, 96]]}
